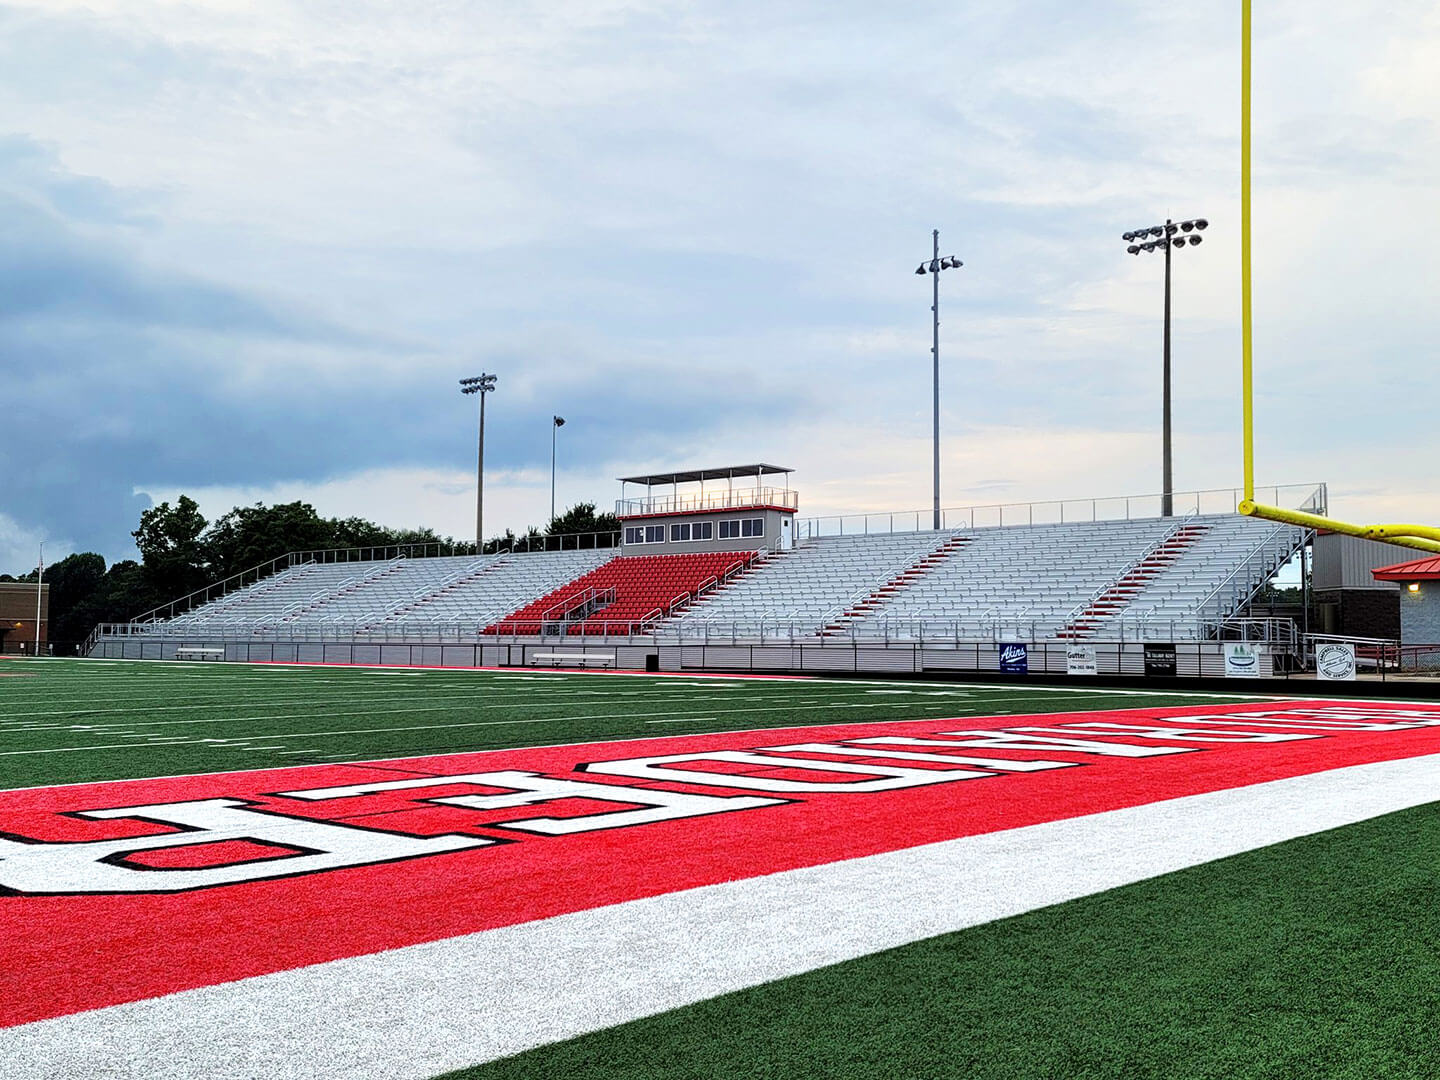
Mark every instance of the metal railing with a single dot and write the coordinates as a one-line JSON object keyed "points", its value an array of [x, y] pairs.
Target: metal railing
{"points": [[1310, 497], [700, 502], [778, 630], [1240, 586], [1379, 654], [1079, 609], [886, 577], [322, 556]]}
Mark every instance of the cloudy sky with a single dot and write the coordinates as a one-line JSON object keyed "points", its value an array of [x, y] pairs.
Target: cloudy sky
{"points": [[247, 247]]}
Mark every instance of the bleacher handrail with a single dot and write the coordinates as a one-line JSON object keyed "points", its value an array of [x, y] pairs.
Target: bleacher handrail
{"points": [[1053, 511], [526, 544], [892, 571], [1130, 567], [766, 629], [1260, 549], [698, 502]]}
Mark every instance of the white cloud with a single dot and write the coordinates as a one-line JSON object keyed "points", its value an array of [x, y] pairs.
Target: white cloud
{"points": [[20, 547], [699, 224]]}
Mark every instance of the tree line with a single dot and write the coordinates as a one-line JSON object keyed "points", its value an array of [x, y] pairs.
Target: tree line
{"points": [[180, 552]]}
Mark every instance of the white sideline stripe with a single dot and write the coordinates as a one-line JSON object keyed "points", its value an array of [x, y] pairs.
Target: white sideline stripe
{"points": [[634, 738], [427, 1009]]}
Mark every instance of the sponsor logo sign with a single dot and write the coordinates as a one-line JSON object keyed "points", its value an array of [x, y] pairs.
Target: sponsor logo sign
{"points": [[1160, 660], [1242, 660], [1080, 660], [1015, 659], [127, 890], [1335, 661]]}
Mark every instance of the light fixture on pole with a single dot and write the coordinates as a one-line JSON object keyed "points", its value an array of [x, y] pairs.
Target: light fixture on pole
{"points": [[556, 423], [1169, 237], [933, 268], [480, 384]]}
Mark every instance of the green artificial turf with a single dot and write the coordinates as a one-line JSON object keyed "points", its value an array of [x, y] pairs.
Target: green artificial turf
{"points": [[1319, 957], [80, 720]]}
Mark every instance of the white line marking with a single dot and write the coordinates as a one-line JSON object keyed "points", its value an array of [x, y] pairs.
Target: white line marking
{"points": [[599, 741], [416, 1012]]}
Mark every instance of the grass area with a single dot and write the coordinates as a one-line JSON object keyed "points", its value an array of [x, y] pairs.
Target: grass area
{"points": [[68, 721], [1312, 958]]}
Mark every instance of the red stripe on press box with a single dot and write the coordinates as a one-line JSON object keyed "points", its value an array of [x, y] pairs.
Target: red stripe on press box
{"points": [[121, 891]]}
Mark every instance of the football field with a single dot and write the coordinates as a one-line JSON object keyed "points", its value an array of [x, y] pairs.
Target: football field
{"points": [[271, 870]]}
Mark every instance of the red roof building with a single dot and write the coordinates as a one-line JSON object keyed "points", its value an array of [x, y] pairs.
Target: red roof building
{"points": [[1427, 569], [1419, 599]]}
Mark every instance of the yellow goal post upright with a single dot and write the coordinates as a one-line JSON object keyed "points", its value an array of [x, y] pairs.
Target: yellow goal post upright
{"points": [[1423, 537]]}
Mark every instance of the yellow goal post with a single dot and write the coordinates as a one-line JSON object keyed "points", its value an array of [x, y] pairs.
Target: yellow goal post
{"points": [[1421, 537]]}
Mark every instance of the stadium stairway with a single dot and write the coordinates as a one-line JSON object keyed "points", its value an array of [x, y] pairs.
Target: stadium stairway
{"points": [[1214, 578], [628, 594], [1114, 598], [436, 593], [251, 598], [903, 580], [348, 587]]}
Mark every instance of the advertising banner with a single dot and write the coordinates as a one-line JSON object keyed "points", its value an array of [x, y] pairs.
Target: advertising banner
{"points": [[1242, 660], [1015, 659], [1160, 660], [1080, 660], [1335, 661]]}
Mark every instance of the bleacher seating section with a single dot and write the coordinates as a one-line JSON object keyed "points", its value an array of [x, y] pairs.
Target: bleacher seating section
{"points": [[460, 592], [629, 594], [1161, 578]]}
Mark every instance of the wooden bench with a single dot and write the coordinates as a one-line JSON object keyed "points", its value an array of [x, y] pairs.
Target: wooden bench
{"points": [[580, 659], [197, 652]]}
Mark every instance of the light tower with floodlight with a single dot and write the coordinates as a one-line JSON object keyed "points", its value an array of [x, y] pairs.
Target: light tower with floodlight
{"points": [[1168, 237], [480, 384], [933, 268]]}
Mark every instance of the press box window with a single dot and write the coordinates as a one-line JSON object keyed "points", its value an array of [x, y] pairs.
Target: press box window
{"points": [[702, 530], [654, 534], [634, 534], [730, 530], [752, 527], [680, 532]]}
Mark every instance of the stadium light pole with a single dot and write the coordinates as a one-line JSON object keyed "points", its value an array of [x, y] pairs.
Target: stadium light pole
{"points": [[556, 423], [1169, 237], [480, 384], [933, 268], [39, 591]]}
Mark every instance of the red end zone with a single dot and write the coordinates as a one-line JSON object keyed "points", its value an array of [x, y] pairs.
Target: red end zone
{"points": [[119, 891]]}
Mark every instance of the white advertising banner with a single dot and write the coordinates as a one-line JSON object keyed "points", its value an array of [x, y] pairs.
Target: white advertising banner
{"points": [[1080, 660], [1242, 660], [1335, 661]]}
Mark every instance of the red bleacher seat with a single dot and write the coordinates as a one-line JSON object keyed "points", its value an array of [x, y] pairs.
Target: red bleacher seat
{"points": [[642, 584]]}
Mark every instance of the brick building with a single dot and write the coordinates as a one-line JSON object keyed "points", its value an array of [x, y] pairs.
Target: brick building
{"points": [[1419, 598], [17, 617]]}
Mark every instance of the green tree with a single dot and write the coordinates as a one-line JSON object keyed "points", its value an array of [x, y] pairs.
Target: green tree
{"points": [[250, 535], [74, 581], [582, 518], [170, 545]]}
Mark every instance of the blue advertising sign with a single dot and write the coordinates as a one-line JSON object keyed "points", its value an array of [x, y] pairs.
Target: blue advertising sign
{"points": [[1015, 659]]}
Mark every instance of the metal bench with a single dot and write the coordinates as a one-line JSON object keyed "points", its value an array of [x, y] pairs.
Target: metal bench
{"points": [[197, 652], [558, 659]]}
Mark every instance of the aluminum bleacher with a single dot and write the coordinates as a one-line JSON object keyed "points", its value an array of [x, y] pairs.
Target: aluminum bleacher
{"points": [[799, 590], [454, 592], [1036, 582], [1152, 578]]}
